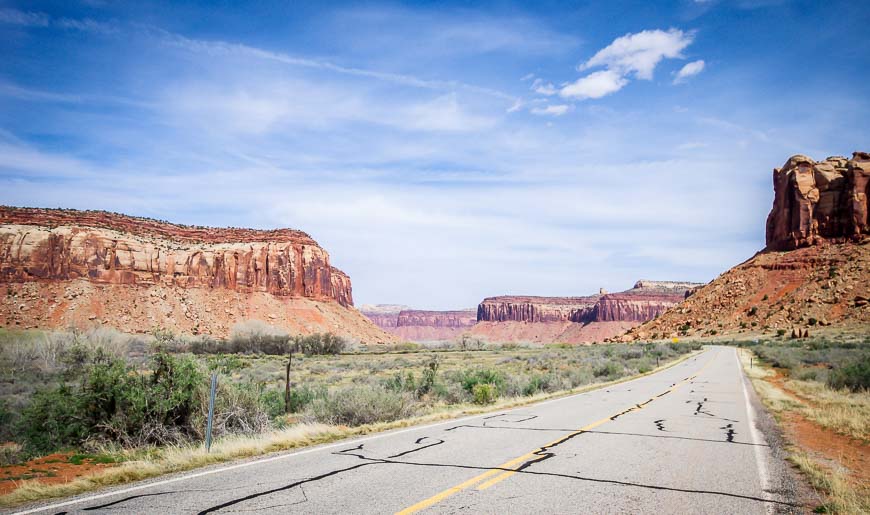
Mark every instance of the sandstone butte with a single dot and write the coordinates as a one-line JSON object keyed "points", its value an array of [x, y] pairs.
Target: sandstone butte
{"points": [[813, 273], [67, 268], [536, 319]]}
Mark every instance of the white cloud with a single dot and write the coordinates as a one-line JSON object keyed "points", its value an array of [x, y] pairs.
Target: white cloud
{"points": [[640, 53], [693, 68], [528, 76], [544, 88], [595, 85], [634, 55], [551, 110]]}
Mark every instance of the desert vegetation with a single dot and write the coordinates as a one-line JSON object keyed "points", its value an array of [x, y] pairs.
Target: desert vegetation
{"points": [[119, 395], [824, 382]]}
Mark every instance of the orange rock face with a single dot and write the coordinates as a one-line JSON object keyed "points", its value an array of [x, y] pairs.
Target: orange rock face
{"points": [[817, 202], [40, 244], [64, 268]]}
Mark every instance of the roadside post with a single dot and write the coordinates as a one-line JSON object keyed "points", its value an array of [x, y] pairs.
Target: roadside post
{"points": [[210, 412]]}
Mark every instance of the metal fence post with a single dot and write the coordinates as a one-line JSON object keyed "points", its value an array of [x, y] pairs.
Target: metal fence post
{"points": [[210, 412]]}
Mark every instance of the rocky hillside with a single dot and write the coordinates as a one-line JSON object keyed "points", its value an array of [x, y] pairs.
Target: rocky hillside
{"points": [[576, 319], [419, 325], [66, 267], [814, 272]]}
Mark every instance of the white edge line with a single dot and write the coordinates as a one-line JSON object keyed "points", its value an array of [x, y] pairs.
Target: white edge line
{"points": [[319, 448], [760, 462]]}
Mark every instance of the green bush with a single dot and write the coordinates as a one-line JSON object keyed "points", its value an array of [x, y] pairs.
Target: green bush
{"points": [[484, 393], [855, 376], [112, 401], [472, 377], [609, 370], [358, 405], [326, 343]]}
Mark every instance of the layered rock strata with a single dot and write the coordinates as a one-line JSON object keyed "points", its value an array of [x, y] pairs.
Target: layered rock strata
{"points": [[87, 264], [816, 202], [420, 325]]}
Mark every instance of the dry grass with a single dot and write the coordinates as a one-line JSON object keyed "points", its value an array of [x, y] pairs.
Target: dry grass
{"points": [[169, 460], [843, 411], [843, 495], [837, 410]]}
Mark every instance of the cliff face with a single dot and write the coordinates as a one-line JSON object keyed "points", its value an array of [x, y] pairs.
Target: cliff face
{"points": [[418, 325], [647, 300], [39, 244], [818, 202], [536, 309], [65, 267], [576, 319]]}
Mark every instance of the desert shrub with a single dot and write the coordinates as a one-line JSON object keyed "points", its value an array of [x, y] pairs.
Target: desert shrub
{"points": [[239, 409], [113, 402], [854, 376], [430, 375], [540, 383], [471, 377], [273, 402], [225, 363], [358, 405], [401, 382], [317, 343], [780, 332], [484, 393], [302, 396], [608, 370], [812, 321]]}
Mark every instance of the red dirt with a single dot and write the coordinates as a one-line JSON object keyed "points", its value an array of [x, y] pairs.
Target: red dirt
{"points": [[849, 453], [50, 470]]}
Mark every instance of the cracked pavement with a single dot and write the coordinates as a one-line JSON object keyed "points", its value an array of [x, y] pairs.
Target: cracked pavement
{"points": [[683, 440]]}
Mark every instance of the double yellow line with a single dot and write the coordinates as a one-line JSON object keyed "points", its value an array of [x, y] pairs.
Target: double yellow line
{"points": [[506, 470]]}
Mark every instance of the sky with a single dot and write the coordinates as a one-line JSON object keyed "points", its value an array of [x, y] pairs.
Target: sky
{"points": [[442, 152]]}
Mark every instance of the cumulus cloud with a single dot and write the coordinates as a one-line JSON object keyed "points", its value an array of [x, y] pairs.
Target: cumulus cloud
{"points": [[690, 69], [595, 85], [551, 110], [632, 55]]}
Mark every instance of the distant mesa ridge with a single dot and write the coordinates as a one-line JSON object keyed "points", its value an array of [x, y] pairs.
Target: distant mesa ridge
{"points": [[571, 319], [54, 244], [817, 202]]}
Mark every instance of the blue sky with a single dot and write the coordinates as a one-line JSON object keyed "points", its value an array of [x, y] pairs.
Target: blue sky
{"points": [[440, 151]]}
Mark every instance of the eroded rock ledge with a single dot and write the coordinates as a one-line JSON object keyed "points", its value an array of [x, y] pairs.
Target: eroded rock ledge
{"points": [[108, 248], [816, 202]]}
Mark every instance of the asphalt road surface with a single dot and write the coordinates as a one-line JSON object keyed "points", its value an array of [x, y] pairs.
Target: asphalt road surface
{"points": [[684, 440]]}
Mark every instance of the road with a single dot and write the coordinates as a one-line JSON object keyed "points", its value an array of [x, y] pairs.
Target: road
{"points": [[683, 440]]}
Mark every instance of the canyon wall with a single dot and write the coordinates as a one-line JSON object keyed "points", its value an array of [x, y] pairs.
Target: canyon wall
{"points": [[536, 309], [816, 202], [123, 256], [576, 319], [420, 325]]}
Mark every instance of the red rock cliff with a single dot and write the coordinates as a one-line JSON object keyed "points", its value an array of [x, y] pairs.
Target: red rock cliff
{"points": [[418, 325], [647, 300], [536, 309], [822, 201], [107, 248], [449, 319]]}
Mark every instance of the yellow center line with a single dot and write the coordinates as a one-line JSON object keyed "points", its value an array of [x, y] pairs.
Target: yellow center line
{"points": [[422, 505]]}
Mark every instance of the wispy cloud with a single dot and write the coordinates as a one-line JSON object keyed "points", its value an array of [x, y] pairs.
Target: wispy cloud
{"points": [[551, 110]]}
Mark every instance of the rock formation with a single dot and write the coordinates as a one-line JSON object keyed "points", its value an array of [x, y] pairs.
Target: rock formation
{"points": [[576, 319], [536, 309], [814, 272], [819, 202], [418, 325], [49, 247]]}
